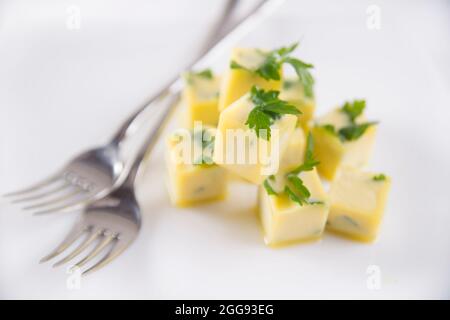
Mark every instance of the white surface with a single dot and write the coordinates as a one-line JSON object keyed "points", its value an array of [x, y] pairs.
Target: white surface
{"points": [[62, 91]]}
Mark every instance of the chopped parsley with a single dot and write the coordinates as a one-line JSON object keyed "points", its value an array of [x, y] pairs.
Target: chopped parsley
{"points": [[354, 131], [295, 188], [309, 161], [205, 74], [349, 133], [268, 107], [379, 177], [270, 68], [330, 128], [354, 109], [287, 84], [269, 189], [350, 221]]}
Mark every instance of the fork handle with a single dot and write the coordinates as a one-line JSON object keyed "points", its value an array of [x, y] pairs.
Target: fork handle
{"points": [[215, 46]]}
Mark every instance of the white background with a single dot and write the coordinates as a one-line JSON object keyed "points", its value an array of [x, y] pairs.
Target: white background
{"points": [[64, 90]]}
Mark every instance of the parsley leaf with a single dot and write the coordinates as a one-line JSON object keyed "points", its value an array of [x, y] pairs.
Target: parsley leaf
{"points": [[308, 165], [269, 188], [354, 109], [287, 84], [259, 121], [285, 51], [271, 66], [296, 190], [309, 148], [268, 107], [330, 128], [293, 196], [235, 65], [207, 74], [303, 74], [300, 188], [379, 177], [269, 70], [354, 131], [349, 133], [280, 107], [309, 162]]}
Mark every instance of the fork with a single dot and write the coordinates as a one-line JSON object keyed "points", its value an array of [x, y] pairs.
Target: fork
{"points": [[94, 173], [112, 223]]}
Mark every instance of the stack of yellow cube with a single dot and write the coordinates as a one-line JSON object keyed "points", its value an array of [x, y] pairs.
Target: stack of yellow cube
{"points": [[298, 150]]}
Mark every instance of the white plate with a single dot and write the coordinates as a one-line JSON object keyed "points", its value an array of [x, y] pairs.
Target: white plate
{"points": [[63, 90]]}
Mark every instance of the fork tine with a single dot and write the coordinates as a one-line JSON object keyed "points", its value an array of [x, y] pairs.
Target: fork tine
{"points": [[54, 200], [73, 235], [107, 239], [62, 187], [94, 234], [117, 248], [71, 205], [36, 186]]}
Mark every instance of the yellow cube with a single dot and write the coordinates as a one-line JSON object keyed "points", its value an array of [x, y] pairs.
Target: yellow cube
{"points": [[332, 151], [357, 203], [201, 97], [237, 82], [193, 179], [285, 221], [238, 148], [292, 91], [295, 151]]}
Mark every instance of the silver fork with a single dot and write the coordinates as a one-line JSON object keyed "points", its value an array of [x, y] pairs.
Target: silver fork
{"points": [[94, 173], [110, 224], [113, 222]]}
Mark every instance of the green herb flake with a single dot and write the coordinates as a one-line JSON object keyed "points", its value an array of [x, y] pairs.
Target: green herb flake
{"points": [[235, 65], [270, 68], [379, 177], [269, 188], [330, 129], [309, 161], [351, 132], [302, 70], [350, 221], [354, 131], [288, 84], [354, 109], [207, 74], [293, 196], [296, 190], [268, 107]]}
